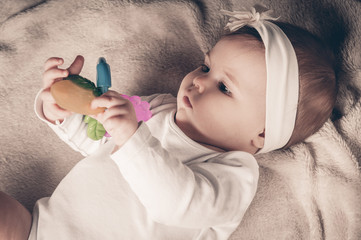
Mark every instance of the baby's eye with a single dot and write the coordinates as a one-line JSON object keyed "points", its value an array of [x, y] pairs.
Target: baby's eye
{"points": [[204, 68], [224, 89]]}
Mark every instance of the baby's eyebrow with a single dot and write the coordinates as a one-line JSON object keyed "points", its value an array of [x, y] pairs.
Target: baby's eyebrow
{"points": [[208, 54], [228, 74], [232, 78]]}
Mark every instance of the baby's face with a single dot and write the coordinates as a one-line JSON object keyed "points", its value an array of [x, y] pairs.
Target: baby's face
{"points": [[223, 102]]}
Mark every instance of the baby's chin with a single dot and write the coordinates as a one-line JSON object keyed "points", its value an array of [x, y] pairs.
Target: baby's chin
{"points": [[179, 101]]}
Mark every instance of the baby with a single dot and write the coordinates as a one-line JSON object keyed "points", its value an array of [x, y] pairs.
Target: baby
{"points": [[189, 172]]}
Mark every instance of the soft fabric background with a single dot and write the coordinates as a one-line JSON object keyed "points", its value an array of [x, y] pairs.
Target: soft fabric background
{"points": [[311, 191]]}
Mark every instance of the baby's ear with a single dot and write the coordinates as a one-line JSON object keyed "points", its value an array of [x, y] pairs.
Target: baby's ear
{"points": [[258, 141]]}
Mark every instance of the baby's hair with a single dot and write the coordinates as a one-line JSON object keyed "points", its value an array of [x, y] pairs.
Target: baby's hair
{"points": [[318, 90]]}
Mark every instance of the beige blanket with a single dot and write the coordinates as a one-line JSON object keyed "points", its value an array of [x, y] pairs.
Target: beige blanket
{"points": [[312, 191]]}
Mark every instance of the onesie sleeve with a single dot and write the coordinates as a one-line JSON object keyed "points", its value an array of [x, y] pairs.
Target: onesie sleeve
{"points": [[199, 195], [73, 131]]}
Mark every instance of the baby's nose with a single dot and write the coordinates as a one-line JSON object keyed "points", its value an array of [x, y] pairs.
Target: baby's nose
{"points": [[199, 84]]}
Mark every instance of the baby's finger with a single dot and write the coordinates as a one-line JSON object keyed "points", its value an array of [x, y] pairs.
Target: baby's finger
{"points": [[108, 100], [52, 75], [112, 93], [61, 112], [47, 97], [117, 111], [77, 65], [53, 62], [53, 112], [49, 102]]}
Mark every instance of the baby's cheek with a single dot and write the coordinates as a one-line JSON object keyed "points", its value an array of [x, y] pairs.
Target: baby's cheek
{"points": [[208, 115]]}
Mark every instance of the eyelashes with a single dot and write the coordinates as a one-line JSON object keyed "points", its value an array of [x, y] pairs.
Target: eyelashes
{"points": [[221, 86], [204, 68]]}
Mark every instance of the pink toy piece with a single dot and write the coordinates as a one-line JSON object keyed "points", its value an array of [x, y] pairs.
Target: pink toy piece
{"points": [[141, 107]]}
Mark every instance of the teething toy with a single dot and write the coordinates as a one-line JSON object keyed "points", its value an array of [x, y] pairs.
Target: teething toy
{"points": [[75, 93]]}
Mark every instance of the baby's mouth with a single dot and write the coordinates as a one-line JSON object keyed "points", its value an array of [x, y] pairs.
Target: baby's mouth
{"points": [[187, 102]]}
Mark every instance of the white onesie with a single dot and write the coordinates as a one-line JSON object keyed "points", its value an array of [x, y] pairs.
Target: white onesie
{"points": [[159, 185]]}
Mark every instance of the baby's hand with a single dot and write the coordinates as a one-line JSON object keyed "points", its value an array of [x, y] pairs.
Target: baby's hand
{"points": [[52, 74], [119, 120]]}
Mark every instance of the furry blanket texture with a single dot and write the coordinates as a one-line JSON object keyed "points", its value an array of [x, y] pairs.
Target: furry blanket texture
{"points": [[311, 191]]}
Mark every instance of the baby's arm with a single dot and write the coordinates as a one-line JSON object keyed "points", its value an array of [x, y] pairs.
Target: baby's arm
{"points": [[212, 192], [67, 125]]}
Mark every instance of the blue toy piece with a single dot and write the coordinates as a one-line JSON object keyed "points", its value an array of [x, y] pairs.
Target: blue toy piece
{"points": [[104, 81], [95, 130]]}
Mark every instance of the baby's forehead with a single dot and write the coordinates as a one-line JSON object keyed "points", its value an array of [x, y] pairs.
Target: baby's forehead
{"points": [[238, 42], [241, 41], [231, 45]]}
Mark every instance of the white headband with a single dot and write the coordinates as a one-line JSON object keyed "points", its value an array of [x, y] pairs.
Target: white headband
{"points": [[282, 76]]}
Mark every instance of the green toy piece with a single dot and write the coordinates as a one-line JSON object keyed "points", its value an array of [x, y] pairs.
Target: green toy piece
{"points": [[85, 83], [95, 130]]}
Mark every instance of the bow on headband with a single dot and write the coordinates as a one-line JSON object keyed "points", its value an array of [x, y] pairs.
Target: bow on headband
{"points": [[282, 75], [239, 19]]}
